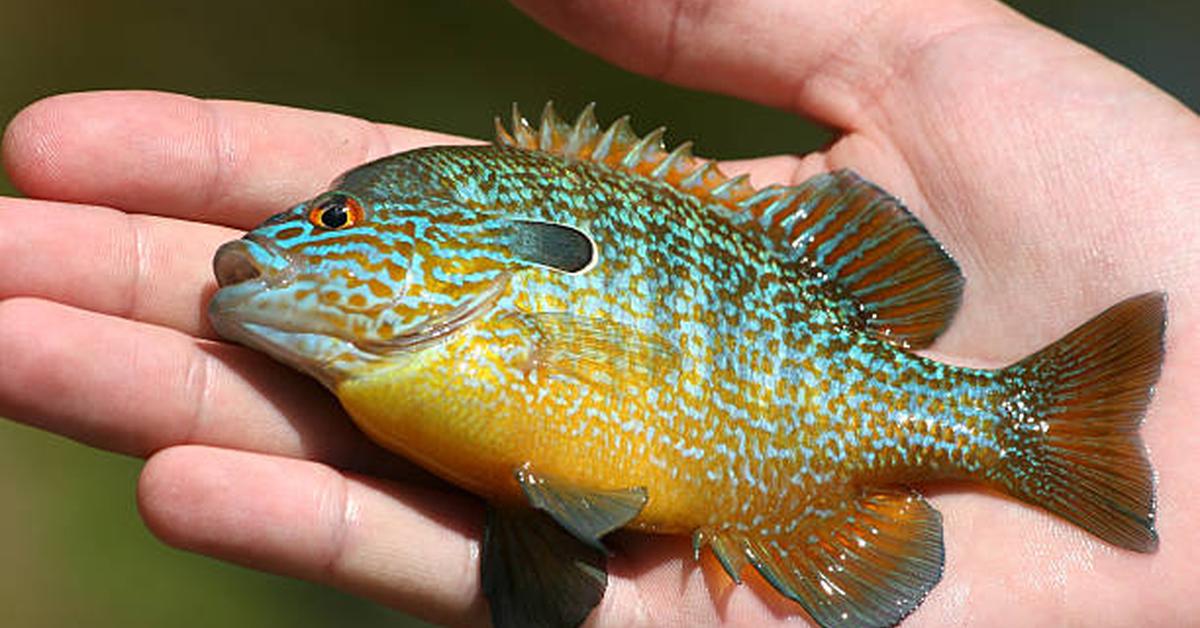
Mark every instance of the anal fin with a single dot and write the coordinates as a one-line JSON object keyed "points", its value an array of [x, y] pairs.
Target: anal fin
{"points": [[535, 573], [869, 563], [728, 548]]}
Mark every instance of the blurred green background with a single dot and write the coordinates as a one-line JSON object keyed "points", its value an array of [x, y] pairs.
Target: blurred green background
{"points": [[72, 549]]}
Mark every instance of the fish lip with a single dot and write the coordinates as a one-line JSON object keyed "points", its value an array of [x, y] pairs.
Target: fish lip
{"points": [[233, 264], [248, 258], [245, 266], [254, 239], [278, 341], [242, 268]]}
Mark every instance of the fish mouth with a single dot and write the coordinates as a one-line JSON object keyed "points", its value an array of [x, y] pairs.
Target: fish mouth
{"points": [[233, 264], [248, 259], [243, 269]]}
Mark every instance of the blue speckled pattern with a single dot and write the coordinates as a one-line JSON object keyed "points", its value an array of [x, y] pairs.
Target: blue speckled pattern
{"points": [[584, 304]]}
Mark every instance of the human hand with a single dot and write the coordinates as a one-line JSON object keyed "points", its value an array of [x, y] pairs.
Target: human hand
{"points": [[1060, 182]]}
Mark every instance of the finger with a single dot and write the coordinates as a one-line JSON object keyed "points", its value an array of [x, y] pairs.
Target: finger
{"points": [[230, 163], [135, 388], [52, 151], [827, 60], [410, 548], [155, 270]]}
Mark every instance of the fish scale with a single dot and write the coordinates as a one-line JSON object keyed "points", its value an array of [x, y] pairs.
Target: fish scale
{"points": [[593, 332]]}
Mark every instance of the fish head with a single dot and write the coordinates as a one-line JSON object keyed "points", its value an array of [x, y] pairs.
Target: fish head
{"points": [[367, 273]]}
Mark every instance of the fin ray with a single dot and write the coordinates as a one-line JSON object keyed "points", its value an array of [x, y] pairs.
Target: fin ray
{"points": [[895, 280], [586, 514], [870, 563], [725, 548], [534, 573], [585, 129], [1072, 423], [596, 350], [549, 131]]}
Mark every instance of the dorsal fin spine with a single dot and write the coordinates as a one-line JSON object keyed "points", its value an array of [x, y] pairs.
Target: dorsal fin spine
{"points": [[583, 131], [623, 142], [605, 145], [548, 134], [726, 190], [676, 160], [502, 135], [698, 176], [522, 132], [645, 149], [618, 147]]}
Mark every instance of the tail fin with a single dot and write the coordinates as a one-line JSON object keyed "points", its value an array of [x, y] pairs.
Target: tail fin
{"points": [[1072, 443]]}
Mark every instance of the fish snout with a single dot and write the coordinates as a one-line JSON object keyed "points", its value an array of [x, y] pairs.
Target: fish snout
{"points": [[245, 270], [248, 259], [234, 264]]}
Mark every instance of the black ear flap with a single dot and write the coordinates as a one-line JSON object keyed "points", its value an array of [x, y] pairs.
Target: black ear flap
{"points": [[552, 245]]}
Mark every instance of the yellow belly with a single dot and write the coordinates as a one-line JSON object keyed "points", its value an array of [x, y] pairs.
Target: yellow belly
{"points": [[452, 409]]}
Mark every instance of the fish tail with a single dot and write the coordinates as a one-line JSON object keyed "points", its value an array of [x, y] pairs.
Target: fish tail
{"points": [[1070, 435]]}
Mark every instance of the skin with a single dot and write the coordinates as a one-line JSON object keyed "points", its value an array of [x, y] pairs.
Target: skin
{"points": [[1059, 181]]}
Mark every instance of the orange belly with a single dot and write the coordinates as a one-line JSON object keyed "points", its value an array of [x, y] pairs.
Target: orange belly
{"points": [[447, 410]]}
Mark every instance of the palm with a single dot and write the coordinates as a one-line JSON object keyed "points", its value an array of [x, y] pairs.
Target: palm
{"points": [[1059, 182]]}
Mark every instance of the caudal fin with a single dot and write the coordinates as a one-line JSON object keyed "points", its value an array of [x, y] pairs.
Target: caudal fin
{"points": [[1072, 443]]}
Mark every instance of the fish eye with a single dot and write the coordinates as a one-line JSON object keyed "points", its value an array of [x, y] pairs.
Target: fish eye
{"points": [[335, 211]]}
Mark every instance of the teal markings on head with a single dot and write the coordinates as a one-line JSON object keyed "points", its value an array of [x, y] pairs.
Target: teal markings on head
{"points": [[396, 256], [383, 264]]}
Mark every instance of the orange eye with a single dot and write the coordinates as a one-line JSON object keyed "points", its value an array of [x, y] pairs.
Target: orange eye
{"points": [[336, 211]]}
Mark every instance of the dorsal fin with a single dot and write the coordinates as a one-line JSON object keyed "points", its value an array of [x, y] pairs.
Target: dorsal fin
{"points": [[893, 279], [618, 147], [862, 242]]}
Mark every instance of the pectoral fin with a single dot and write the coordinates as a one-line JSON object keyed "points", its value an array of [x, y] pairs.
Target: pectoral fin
{"points": [[535, 573], [869, 563], [597, 350], [587, 514]]}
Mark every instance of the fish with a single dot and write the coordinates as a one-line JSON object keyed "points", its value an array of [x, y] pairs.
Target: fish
{"points": [[592, 332]]}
